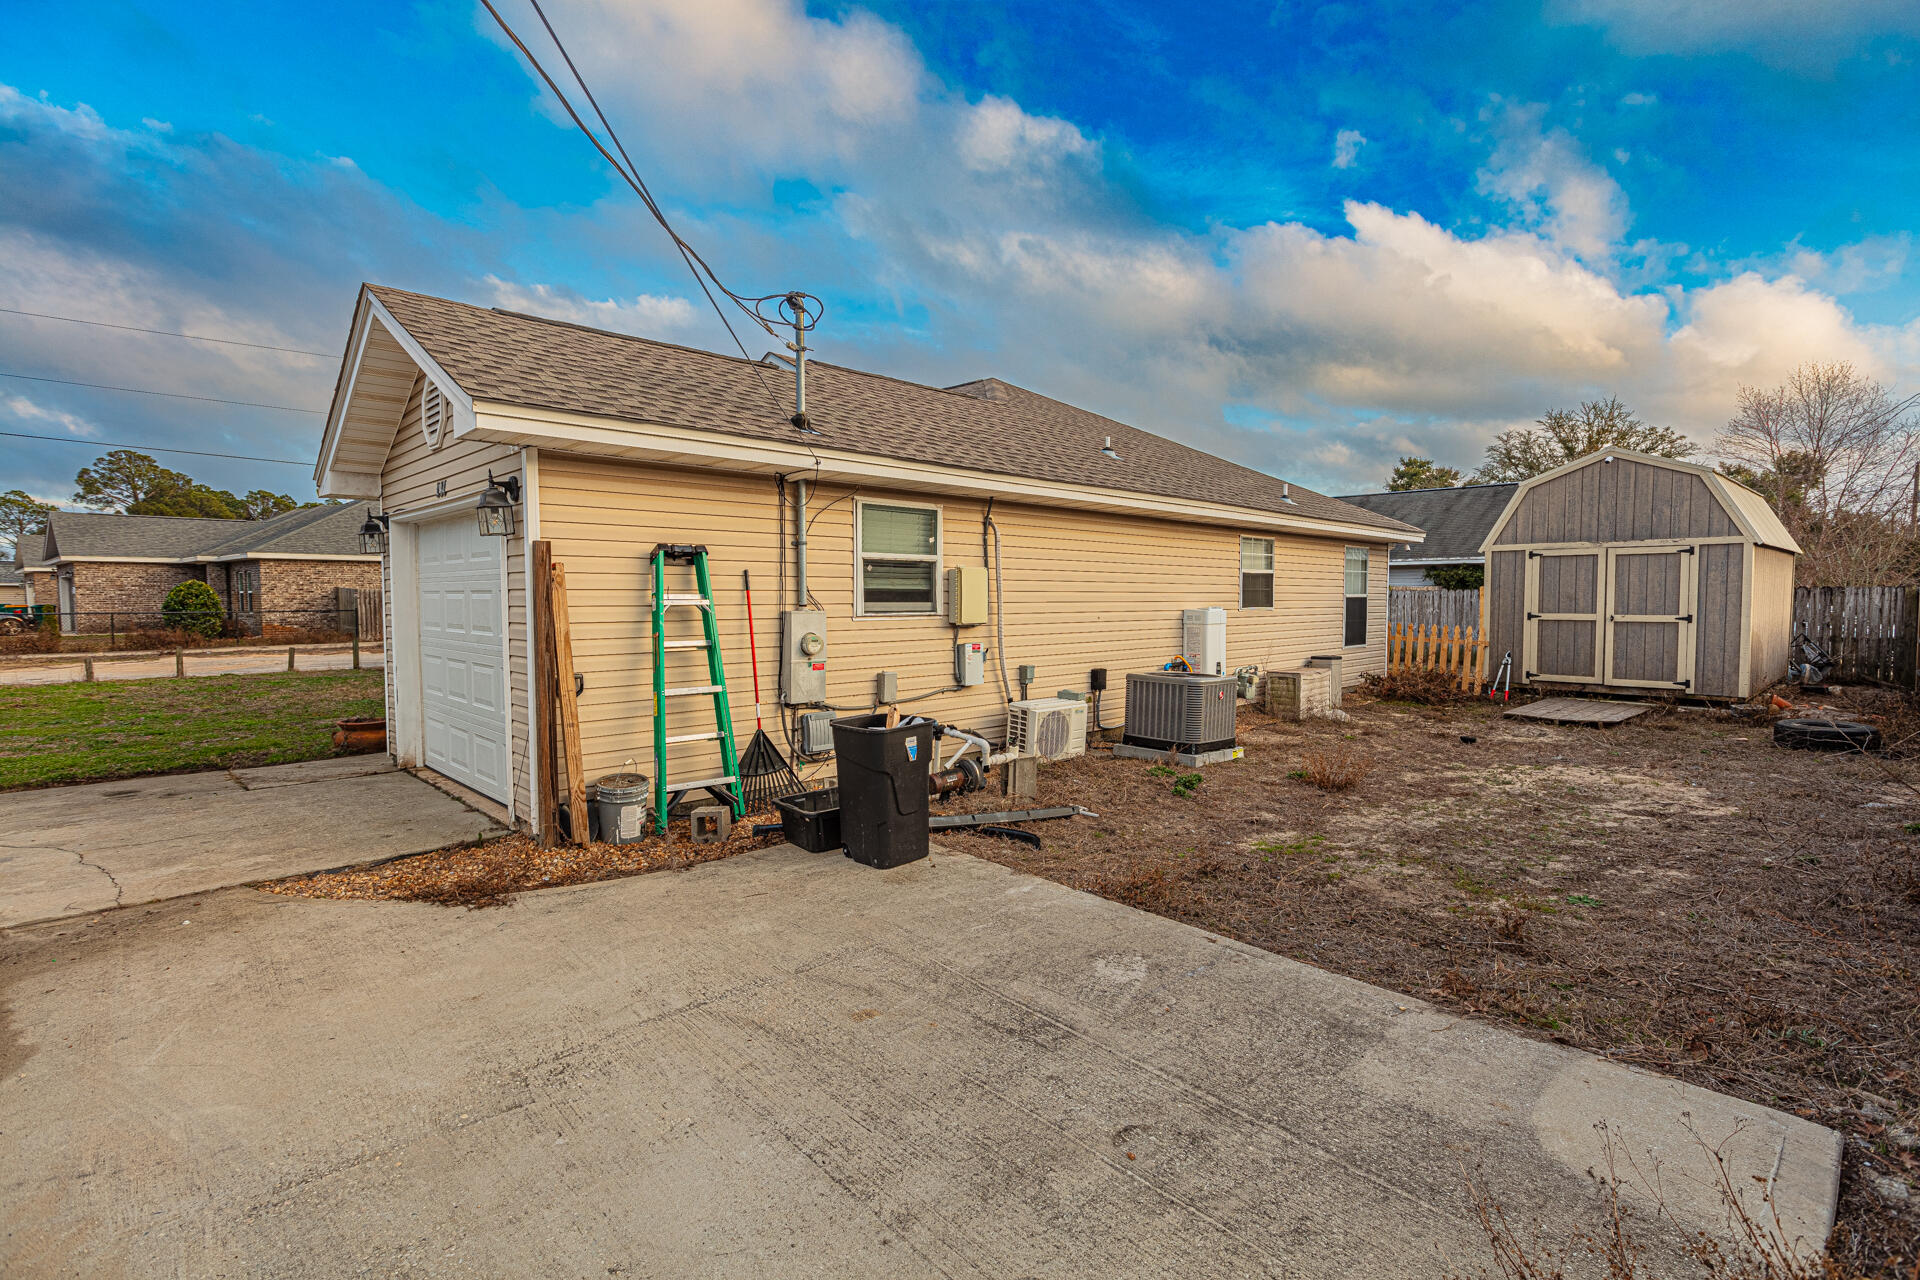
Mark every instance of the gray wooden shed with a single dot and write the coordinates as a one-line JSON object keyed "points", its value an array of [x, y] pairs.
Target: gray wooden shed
{"points": [[1623, 571]]}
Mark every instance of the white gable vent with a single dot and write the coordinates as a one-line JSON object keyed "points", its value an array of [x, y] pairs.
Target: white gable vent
{"points": [[433, 413]]}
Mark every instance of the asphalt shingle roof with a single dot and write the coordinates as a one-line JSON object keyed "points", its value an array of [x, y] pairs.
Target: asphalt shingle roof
{"points": [[309, 531], [989, 425], [1456, 520], [27, 550]]}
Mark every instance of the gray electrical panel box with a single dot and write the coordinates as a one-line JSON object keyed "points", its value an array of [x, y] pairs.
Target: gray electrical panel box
{"points": [[886, 688], [816, 733], [969, 663], [803, 657]]}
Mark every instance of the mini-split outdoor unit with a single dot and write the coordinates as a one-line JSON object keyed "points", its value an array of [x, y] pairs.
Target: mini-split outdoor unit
{"points": [[1180, 710], [1047, 728]]}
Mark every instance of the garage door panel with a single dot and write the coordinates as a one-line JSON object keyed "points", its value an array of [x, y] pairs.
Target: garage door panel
{"points": [[463, 682]]}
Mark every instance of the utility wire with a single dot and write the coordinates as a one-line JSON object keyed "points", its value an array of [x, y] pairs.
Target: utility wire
{"points": [[167, 333], [143, 391], [156, 448], [702, 273]]}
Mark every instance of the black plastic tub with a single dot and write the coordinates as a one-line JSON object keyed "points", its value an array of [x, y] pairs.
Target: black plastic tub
{"points": [[811, 819]]}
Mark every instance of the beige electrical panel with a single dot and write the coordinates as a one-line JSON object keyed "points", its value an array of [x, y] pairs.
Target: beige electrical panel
{"points": [[967, 595]]}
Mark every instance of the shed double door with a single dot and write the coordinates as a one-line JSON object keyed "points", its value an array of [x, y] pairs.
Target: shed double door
{"points": [[1611, 616]]}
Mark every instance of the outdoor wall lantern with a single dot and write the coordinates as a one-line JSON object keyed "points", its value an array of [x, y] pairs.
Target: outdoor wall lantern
{"points": [[373, 534], [496, 506]]}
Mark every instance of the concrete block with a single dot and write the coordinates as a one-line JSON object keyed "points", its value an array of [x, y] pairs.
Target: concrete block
{"points": [[711, 823]]}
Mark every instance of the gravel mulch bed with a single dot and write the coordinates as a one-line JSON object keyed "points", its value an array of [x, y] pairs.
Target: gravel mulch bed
{"points": [[490, 874]]}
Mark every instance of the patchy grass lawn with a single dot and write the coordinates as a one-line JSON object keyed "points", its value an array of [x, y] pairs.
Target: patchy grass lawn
{"points": [[52, 734], [1675, 893]]}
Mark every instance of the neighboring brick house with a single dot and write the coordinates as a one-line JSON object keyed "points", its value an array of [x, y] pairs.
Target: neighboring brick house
{"points": [[36, 576], [13, 588], [97, 567]]}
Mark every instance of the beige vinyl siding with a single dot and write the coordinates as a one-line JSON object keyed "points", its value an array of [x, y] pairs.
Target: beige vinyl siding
{"points": [[1082, 590], [1772, 617], [408, 482]]}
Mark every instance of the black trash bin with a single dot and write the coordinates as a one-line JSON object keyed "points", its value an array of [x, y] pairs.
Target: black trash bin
{"points": [[883, 788]]}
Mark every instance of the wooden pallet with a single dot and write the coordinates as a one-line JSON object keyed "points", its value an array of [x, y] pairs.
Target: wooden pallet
{"points": [[1579, 711]]}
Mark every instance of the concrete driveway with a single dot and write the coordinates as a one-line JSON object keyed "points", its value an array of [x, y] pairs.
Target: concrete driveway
{"points": [[788, 1065], [66, 851]]}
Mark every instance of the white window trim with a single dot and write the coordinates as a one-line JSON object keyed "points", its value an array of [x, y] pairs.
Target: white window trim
{"points": [[1272, 572], [860, 506], [1346, 595]]}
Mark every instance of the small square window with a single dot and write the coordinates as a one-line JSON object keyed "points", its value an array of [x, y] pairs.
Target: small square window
{"points": [[1256, 573], [899, 569]]}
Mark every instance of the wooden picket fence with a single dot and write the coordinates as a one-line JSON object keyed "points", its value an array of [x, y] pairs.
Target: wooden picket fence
{"points": [[1433, 607], [1871, 633], [1459, 651]]}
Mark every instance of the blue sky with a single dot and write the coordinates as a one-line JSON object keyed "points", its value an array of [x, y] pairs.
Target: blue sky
{"points": [[1307, 236]]}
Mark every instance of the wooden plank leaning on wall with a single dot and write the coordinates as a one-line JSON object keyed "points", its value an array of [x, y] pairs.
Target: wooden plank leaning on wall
{"points": [[559, 703]]}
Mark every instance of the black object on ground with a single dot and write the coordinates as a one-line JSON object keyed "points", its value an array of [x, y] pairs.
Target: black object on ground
{"points": [[1012, 833], [883, 788], [949, 821], [1810, 734], [811, 819]]}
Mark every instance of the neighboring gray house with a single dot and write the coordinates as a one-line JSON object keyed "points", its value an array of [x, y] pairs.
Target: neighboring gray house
{"points": [[1456, 520], [104, 569]]}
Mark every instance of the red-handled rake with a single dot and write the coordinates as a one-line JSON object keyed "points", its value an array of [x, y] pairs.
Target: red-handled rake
{"points": [[765, 775]]}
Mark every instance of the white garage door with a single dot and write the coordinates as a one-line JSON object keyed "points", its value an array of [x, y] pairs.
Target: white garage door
{"points": [[461, 677]]}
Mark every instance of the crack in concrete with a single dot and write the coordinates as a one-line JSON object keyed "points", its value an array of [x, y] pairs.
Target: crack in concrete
{"points": [[81, 858]]}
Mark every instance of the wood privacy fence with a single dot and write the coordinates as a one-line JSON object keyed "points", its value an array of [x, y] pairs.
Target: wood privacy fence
{"points": [[1458, 651], [373, 618], [1869, 632], [1433, 607]]}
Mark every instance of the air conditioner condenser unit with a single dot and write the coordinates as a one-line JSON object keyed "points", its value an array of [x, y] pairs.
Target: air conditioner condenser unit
{"points": [[1180, 711], [1047, 728]]}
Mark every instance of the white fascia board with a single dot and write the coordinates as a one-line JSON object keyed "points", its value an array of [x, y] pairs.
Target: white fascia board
{"points": [[682, 446], [179, 560], [1437, 560], [284, 555], [362, 485]]}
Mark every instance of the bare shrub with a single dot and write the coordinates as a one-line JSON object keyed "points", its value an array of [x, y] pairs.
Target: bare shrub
{"points": [[1336, 768], [1753, 1250], [1428, 688]]}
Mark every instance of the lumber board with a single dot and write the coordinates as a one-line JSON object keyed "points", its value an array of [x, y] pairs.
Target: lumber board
{"points": [[569, 704], [546, 766], [1579, 711]]}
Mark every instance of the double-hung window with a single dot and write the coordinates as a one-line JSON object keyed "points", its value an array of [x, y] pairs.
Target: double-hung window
{"points": [[1256, 573], [1356, 592], [898, 570]]}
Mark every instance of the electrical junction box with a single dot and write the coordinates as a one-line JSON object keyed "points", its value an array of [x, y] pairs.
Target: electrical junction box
{"points": [[816, 734], [1203, 640], [967, 595], [969, 663], [803, 657], [886, 688]]}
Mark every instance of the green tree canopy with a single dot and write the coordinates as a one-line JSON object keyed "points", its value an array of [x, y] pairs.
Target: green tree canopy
{"points": [[1566, 434], [263, 505], [121, 478], [190, 498], [1421, 473], [20, 515]]}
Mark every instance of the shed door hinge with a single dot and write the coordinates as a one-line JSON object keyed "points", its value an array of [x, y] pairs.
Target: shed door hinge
{"points": [[1532, 616], [1689, 550], [1686, 618]]}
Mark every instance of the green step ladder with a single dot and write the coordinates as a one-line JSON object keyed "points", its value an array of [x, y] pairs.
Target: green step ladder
{"points": [[725, 788]]}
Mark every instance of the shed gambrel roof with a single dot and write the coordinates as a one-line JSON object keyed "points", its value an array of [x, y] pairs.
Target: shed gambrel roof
{"points": [[1455, 519], [1749, 512], [488, 357]]}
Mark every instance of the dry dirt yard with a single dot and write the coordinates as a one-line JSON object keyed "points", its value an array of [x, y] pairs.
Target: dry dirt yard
{"points": [[1675, 893]]}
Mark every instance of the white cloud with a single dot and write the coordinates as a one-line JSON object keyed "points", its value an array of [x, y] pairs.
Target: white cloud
{"points": [[996, 136], [1638, 99], [1783, 32], [647, 315], [1549, 182], [1346, 147], [21, 409]]}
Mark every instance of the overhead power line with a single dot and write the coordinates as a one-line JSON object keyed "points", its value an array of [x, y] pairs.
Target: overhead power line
{"points": [[630, 174], [168, 333], [143, 391], [157, 448]]}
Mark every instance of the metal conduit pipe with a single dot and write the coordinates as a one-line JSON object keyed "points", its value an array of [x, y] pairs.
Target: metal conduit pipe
{"points": [[800, 543]]}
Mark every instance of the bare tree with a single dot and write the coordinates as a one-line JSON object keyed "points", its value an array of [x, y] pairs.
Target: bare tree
{"points": [[1836, 454], [1566, 434]]}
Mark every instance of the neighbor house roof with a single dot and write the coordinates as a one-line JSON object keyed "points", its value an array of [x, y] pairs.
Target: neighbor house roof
{"points": [[27, 550], [309, 531], [1456, 519], [10, 575], [989, 426]]}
